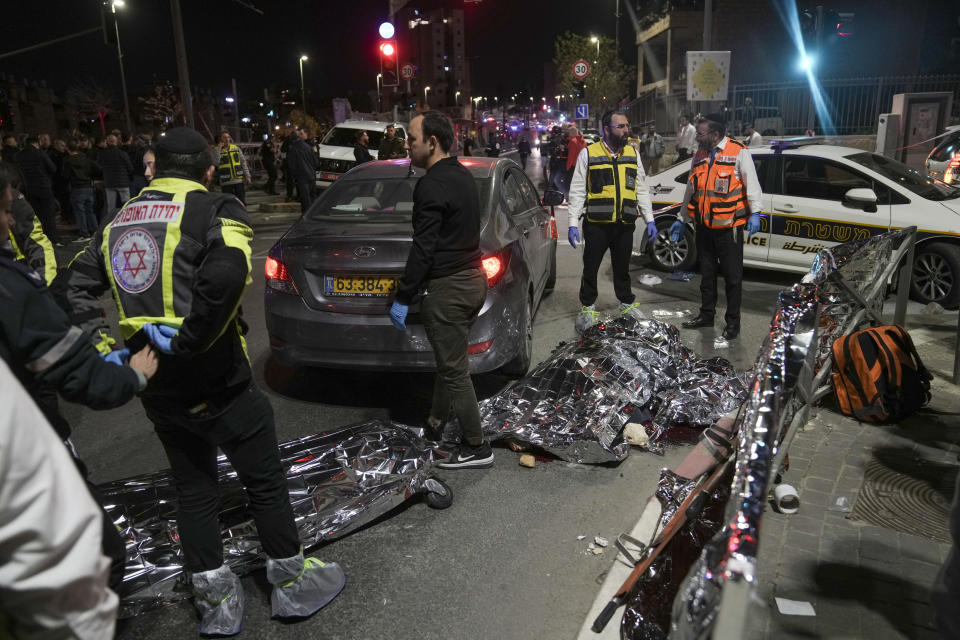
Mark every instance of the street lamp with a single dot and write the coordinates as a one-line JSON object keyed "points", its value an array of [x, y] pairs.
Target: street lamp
{"points": [[303, 90], [425, 90], [596, 40], [456, 98], [114, 5], [557, 98], [379, 107]]}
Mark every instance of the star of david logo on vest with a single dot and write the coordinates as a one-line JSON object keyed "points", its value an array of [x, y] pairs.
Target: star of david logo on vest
{"points": [[135, 261]]}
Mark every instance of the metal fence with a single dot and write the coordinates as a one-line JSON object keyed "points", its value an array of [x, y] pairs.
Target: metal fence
{"points": [[786, 108]]}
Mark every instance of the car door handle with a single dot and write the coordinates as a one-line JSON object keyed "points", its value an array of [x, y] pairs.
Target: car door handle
{"points": [[787, 208]]}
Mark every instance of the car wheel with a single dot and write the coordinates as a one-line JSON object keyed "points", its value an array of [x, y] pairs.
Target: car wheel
{"points": [[936, 275], [552, 276], [667, 255], [518, 367]]}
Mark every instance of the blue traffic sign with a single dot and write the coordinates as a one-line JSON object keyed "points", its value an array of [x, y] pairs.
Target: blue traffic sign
{"points": [[583, 112]]}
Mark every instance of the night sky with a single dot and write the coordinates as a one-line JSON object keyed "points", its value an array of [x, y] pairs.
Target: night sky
{"points": [[509, 39]]}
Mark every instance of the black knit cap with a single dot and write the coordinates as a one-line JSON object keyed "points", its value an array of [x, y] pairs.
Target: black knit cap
{"points": [[182, 140]]}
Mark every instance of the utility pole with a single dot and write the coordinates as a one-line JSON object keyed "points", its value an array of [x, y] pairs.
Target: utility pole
{"points": [[707, 24], [183, 73], [266, 102], [617, 28], [236, 107]]}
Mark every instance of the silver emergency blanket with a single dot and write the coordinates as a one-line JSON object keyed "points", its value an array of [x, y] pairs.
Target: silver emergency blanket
{"points": [[807, 320], [339, 481], [576, 403]]}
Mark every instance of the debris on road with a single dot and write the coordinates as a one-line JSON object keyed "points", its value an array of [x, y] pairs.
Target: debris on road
{"points": [[795, 607], [600, 541], [681, 276], [667, 313], [636, 435], [649, 280], [527, 460]]}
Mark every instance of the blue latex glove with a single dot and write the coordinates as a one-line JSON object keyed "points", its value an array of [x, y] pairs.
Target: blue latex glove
{"points": [[160, 335], [573, 235], [676, 231], [651, 231], [118, 357], [753, 224], [398, 315]]}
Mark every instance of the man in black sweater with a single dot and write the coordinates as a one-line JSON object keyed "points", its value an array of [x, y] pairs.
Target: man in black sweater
{"points": [[38, 170], [117, 175], [445, 262]]}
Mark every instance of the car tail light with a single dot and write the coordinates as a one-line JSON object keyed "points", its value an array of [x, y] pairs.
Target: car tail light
{"points": [[481, 347], [278, 277], [495, 266], [952, 172]]}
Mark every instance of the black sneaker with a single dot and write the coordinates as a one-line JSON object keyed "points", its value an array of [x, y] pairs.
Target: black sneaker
{"points": [[467, 457]]}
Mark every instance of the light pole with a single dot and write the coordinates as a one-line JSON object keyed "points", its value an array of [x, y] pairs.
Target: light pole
{"points": [[114, 4], [379, 107], [596, 40], [557, 98], [303, 90], [425, 91], [456, 98]]}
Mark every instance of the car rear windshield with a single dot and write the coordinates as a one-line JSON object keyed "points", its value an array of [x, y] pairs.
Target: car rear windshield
{"points": [[375, 200], [908, 178]]}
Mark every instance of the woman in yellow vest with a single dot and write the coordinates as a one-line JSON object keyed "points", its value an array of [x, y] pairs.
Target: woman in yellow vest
{"points": [[609, 187], [232, 169]]}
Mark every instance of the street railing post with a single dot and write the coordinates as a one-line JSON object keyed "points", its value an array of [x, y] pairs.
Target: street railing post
{"points": [[903, 284]]}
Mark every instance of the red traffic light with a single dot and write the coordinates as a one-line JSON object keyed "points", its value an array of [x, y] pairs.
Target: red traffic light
{"points": [[387, 49], [543, 107]]}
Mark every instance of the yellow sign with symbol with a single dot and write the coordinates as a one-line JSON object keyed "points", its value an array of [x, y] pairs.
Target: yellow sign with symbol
{"points": [[708, 75]]}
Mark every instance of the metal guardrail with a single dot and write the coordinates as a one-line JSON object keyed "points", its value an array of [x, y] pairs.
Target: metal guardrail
{"points": [[792, 373], [785, 107]]}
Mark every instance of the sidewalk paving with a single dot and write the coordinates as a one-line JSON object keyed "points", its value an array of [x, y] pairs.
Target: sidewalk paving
{"points": [[862, 580]]}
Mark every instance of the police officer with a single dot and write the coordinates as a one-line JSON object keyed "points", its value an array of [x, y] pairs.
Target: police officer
{"points": [[723, 192], [232, 168], [177, 259], [609, 185], [47, 354]]}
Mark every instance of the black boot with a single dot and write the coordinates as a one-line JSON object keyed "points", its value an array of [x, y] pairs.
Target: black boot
{"points": [[698, 322]]}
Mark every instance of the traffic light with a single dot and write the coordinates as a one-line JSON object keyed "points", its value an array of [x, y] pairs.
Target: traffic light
{"points": [[843, 22], [389, 65]]}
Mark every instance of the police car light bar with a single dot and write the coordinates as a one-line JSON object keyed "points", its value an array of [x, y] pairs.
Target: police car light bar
{"points": [[794, 143]]}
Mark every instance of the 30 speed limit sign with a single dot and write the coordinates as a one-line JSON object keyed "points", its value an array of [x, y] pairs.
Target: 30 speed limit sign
{"points": [[580, 69]]}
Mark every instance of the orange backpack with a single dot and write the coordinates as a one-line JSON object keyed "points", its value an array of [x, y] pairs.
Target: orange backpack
{"points": [[878, 375]]}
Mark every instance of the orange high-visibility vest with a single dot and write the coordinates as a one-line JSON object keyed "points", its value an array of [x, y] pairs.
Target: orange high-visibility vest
{"points": [[719, 199]]}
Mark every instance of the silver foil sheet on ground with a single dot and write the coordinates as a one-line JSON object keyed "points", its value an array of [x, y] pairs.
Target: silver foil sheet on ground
{"points": [[339, 481], [576, 403]]}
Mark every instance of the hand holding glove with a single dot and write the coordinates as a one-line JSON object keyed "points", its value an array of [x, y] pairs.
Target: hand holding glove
{"points": [[398, 315], [160, 335], [118, 357], [753, 224], [676, 231], [573, 235], [651, 231]]}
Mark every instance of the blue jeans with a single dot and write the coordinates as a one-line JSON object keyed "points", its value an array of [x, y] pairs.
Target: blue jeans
{"points": [[83, 211]]}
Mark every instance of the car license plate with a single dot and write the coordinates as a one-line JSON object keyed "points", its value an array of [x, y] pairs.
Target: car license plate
{"points": [[331, 176], [365, 286]]}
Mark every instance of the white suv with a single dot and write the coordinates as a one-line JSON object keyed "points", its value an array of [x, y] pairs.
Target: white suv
{"points": [[336, 148], [819, 195]]}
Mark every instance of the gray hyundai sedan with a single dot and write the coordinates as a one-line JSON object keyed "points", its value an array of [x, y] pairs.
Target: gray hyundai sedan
{"points": [[330, 279]]}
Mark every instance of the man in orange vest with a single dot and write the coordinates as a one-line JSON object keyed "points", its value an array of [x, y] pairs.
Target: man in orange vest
{"points": [[723, 195]]}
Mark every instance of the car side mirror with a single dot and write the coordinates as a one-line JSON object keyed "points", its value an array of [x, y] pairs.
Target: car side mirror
{"points": [[552, 198], [863, 197]]}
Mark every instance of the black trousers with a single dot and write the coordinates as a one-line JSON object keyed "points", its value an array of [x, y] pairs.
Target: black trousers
{"points": [[237, 190], [305, 193], [45, 206], [241, 425], [597, 239], [683, 154], [720, 250], [269, 187], [448, 311]]}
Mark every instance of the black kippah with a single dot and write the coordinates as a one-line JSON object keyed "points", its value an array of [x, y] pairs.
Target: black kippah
{"points": [[182, 140]]}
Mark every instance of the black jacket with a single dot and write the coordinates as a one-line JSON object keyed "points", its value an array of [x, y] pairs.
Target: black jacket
{"points": [[80, 170], [446, 227], [117, 168], [37, 170], [48, 354], [361, 153], [302, 162]]}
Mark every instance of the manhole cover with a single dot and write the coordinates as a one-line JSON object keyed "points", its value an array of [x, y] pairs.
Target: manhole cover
{"points": [[891, 499]]}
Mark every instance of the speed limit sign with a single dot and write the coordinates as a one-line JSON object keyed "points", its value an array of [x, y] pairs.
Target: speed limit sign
{"points": [[406, 72], [580, 69]]}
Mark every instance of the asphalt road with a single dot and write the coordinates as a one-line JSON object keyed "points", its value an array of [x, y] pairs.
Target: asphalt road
{"points": [[504, 561]]}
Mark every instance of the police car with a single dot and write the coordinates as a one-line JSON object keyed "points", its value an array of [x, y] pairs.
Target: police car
{"points": [[336, 148], [818, 195]]}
